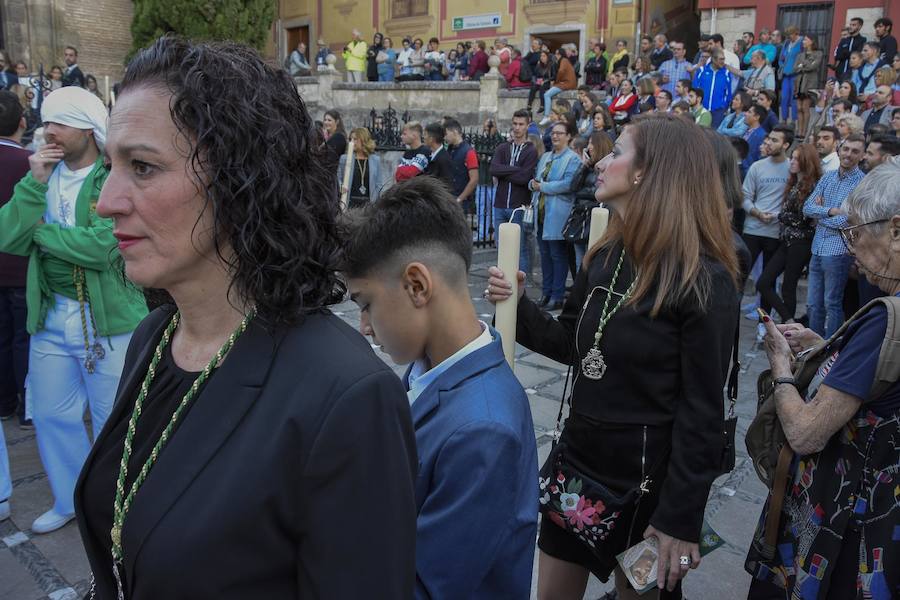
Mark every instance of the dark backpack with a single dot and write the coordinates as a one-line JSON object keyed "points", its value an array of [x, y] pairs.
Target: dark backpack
{"points": [[286, 65], [766, 443], [525, 72]]}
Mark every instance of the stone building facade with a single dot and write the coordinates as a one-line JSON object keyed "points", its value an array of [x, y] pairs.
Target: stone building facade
{"points": [[37, 31]]}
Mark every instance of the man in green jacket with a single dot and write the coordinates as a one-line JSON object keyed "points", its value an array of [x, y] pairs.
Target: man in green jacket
{"points": [[81, 311], [355, 58]]}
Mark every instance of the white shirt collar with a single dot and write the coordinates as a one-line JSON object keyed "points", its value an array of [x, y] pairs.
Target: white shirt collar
{"points": [[436, 152], [419, 378]]}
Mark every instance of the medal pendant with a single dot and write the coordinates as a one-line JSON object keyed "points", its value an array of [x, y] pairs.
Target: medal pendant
{"points": [[362, 189], [89, 364], [593, 366], [120, 592], [99, 352]]}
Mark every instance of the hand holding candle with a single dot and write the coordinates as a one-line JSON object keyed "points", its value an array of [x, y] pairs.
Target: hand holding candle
{"points": [[510, 237], [348, 173]]}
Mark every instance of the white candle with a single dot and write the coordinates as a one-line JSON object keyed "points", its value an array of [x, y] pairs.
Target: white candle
{"points": [[510, 236], [599, 221], [348, 173], [106, 87], [112, 97]]}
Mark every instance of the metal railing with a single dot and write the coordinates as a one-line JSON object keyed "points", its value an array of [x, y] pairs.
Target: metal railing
{"points": [[386, 127]]}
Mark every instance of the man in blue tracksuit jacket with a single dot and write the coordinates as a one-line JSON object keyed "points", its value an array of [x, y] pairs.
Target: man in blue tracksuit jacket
{"points": [[715, 81]]}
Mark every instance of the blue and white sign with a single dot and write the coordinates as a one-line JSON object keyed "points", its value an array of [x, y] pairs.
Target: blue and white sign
{"points": [[476, 22]]}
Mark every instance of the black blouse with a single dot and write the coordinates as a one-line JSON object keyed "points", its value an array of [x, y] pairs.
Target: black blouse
{"points": [[664, 371], [338, 144], [166, 392]]}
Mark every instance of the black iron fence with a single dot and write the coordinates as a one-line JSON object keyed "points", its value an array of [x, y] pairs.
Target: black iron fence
{"points": [[386, 128]]}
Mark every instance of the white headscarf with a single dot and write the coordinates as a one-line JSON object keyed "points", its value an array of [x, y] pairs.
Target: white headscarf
{"points": [[78, 108]]}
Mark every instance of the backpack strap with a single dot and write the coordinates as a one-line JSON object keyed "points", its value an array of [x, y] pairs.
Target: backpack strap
{"points": [[888, 371]]}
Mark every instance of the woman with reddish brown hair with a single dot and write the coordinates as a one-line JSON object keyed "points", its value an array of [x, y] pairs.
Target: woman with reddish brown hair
{"points": [[796, 235], [648, 328]]}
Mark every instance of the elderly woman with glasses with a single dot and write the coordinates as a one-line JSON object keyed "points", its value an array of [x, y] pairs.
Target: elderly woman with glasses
{"points": [[837, 534]]}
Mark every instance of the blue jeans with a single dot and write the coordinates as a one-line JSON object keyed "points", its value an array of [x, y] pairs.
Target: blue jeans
{"points": [[580, 251], [788, 102], [548, 99], [504, 215], [58, 390], [825, 297], [554, 269]]}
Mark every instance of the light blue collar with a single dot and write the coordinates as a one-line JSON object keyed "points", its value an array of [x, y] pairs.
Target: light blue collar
{"points": [[419, 379]]}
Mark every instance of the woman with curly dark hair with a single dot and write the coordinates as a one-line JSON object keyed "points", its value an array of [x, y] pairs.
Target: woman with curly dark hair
{"points": [[251, 425]]}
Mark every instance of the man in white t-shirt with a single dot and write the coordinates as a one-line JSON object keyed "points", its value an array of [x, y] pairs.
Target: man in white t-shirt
{"points": [[826, 145]]}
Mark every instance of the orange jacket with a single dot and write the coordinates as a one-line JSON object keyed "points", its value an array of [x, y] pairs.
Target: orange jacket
{"points": [[565, 77]]}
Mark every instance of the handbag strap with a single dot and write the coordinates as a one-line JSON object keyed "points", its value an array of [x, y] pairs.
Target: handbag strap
{"points": [[735, 370]]}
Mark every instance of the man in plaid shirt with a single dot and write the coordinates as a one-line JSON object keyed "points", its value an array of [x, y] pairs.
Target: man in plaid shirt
{"points": [[830, 263], [675, 68]]}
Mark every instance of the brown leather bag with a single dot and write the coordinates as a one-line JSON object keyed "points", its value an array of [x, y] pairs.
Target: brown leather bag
{"points": [[766, 443]]}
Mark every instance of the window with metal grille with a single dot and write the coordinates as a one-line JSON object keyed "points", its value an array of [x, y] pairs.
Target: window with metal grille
{"points": [[409, 8], [813, 20]]}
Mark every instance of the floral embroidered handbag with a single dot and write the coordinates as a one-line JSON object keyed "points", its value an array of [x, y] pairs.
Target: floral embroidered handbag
{"points": [[575, 501]]}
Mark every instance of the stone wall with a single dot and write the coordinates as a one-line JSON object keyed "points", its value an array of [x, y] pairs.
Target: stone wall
{"points": [[730, 22], [37, 31], [470, 102]]}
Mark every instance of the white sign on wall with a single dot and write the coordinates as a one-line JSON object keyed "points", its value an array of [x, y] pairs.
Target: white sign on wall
{"points": [[476, 22]]}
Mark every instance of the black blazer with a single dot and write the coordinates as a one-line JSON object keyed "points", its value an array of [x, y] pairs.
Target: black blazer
{"points": [[292, 476], [73, 77]]}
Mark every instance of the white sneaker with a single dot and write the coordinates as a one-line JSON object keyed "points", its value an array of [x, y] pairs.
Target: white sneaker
{"points": [[4, 510], [544, 122], [50, 521]]}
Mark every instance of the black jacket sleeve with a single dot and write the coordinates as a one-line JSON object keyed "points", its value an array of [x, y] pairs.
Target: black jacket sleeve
{"points": [[538, 331], [697, 438], [366, 442]]}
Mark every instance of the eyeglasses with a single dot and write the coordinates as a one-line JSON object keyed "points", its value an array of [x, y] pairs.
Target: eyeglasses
{"points": [[850, 235]]}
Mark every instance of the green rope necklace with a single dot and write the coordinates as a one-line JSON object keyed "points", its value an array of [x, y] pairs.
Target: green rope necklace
{"points": [[122, 502], [593, 366]]}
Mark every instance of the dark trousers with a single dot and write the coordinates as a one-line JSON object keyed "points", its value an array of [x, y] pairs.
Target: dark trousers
{"points": [[538, 90], [718, 116], [13, 349], [790, 260], [768, 246]]}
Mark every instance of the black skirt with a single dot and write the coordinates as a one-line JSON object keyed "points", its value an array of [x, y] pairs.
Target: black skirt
{"points": [[612, 452]]}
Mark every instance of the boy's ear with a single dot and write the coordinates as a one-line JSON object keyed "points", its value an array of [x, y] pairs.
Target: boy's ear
{"points": [[418, 283]]}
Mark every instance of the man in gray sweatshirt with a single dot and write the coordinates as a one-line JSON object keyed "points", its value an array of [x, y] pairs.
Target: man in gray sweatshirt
{"points": [[764, 189]]}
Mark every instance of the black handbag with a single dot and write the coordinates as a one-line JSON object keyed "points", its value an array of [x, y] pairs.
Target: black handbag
{"points": [[729, 427], [577, 228], [572, 499]]}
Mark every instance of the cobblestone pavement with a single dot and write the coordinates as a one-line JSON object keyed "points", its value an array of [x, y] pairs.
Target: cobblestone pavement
{"points": [[53, 566]]}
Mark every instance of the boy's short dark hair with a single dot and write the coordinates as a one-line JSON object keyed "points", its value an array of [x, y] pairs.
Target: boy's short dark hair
{"points": [[562, 103], [522, 113], [697, 92], [665, 93], [418, 219], [832, 130], [10, 113], [740, 146], [786, 131], [685, 83], [585, 88], [452, 124], [889, 144], [760, 111], [435, 131]]}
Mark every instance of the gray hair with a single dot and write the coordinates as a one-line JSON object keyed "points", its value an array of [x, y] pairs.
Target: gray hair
{"points": [[759, 54], [876, 196]]}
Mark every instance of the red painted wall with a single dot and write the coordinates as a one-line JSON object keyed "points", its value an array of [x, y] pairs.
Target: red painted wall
{"points": [[767, 12]]}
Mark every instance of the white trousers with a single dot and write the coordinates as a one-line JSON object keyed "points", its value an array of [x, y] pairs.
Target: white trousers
{"points": [[59, 388]]}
